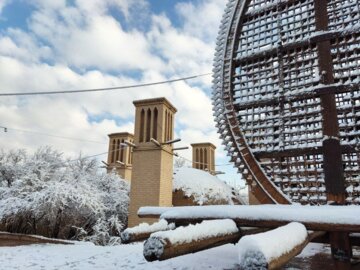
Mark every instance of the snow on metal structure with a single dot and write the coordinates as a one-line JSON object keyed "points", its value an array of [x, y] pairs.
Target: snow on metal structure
{"points": [[286, 98]]}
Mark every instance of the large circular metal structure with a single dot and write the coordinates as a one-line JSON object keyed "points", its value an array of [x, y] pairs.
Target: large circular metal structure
{"points": [[286, 98]]}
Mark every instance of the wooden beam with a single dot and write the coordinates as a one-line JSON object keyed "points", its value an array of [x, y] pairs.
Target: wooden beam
{"points": [[315, 218], [18, 239], [143, 231], [276, 263], [268, 223], [317, 37], [257, 259], [345, 149], [269, 7], [316, 92], [127, 238], [341, 249], [162, 248]]}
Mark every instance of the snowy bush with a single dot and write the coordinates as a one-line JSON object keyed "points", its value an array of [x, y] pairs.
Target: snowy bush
{"points": [[47, 195]]}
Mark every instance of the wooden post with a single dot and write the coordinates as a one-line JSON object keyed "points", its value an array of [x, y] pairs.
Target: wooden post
{"points": [[160, 247], [144, 230], [256, 259], [333, 165]]}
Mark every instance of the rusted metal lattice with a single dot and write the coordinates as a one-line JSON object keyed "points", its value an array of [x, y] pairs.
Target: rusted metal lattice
{"points": [[286, 97]]}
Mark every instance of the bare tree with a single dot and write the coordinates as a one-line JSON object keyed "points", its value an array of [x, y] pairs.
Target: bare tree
{"points": [[179, 162]]}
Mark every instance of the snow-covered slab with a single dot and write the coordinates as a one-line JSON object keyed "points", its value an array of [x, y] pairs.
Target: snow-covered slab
{"points": [[340, 218], [273, 248], [153, 211], [183, 240]]}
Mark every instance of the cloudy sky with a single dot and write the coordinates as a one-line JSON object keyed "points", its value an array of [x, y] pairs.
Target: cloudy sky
{"points": [[78, 44]]}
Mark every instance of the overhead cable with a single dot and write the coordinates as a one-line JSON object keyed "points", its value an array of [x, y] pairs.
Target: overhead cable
{"points": [[102, 89], [50, 135]]}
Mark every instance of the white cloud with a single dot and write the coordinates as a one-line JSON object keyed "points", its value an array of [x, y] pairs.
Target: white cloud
{"points": [[201, 19], [87, 48], [3, 3], [87, 40], [22, 46], [103, 6], [104, 44], [185, 54]]}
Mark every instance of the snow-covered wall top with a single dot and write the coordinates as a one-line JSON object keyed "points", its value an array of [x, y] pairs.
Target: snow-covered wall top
{"points": [[204, 187]]}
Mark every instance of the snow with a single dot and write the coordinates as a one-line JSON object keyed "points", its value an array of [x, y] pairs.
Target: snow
{"points": [[162, 225], [260, 249], [297, 213], [206, 229], [153, 210], [204, 187], [90, 257]]}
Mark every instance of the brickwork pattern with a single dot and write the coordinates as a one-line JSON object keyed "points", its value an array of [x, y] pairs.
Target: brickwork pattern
{"points": [[152, 165]]}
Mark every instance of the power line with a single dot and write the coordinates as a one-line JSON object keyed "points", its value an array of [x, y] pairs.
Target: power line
{"points": [[90, 141], [92, 156], [6, 129], [201, 163], [102, 89], [50, 135]]}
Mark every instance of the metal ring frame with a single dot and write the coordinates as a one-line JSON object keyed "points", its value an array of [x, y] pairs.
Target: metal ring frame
{"points": [[286, 98]]}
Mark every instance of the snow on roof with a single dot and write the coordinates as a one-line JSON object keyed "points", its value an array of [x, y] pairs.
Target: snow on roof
{"points": [[204, 187]]}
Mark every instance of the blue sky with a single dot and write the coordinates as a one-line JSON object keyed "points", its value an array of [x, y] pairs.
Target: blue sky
{"points": [[77, 44]]}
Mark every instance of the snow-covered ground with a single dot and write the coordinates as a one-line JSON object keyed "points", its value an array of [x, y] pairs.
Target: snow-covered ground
{"points": [[88, 256]]}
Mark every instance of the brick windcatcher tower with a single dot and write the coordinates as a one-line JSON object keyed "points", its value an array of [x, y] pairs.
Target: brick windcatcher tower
{"points": [[203, 156], [120, 156], [151, 183]]}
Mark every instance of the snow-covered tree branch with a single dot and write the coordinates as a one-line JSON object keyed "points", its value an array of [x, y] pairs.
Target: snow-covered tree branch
{"points": [[45, 194]]}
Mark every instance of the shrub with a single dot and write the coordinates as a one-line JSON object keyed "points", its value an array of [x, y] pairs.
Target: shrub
{"points": [[47, 195]]}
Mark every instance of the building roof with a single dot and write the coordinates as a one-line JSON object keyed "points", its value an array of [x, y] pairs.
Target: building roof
{"points": [[155, 101], [121, 134], [203, 144]]}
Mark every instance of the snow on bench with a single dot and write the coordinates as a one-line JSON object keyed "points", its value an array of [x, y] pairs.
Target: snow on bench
{"points": [[272, 249], [317, 218], [153, 211], [144, 230], [183, 240]]}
